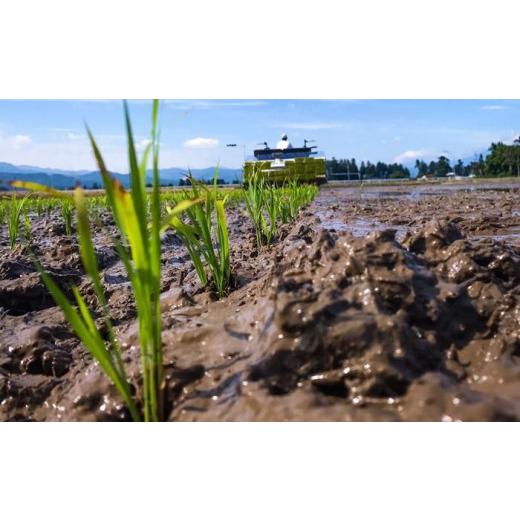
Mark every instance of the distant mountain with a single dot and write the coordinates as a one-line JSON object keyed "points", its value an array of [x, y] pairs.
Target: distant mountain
{"points": [[58, 181], [23, 168], [8, 168], [63, 179]]}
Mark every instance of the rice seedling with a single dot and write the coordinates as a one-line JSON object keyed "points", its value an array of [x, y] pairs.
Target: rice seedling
{"points": [[267, 205], [294, 197], [233, 198], [66, 213], [272, 208], [3, 211], [206, 235], [254, 196], [27, 228], [52, 204], [39, 207], [138, 222], [14, 212]]}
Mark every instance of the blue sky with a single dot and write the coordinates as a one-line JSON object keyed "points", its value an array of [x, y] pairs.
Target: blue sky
{"points": [[50, 133]]}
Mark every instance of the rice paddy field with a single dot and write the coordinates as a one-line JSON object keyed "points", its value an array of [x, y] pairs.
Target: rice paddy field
{"points": [[260, 303]]}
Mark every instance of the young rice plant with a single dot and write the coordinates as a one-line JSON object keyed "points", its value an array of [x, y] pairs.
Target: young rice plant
{"points": [[206, 234], [14, 213]]}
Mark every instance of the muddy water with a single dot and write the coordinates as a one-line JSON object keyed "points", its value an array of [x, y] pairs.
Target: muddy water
{"points": [[483, 210], [375, 305]]}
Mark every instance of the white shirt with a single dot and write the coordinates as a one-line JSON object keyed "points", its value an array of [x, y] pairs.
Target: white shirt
{"points": [[283, 144]]}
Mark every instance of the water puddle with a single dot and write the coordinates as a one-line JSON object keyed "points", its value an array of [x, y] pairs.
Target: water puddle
{"points": [[359, 226], [509, 235]]}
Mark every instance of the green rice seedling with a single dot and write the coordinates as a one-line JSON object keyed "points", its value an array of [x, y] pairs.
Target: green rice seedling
{"points": [[206, 235], [293, 196], [139, 227], [3, 211], [282, 200], [13, 218], [39, 207], [267, 206], [66, 214], [50, 204], [234, 198], [254, 196], [27, 228], [272, 207]]}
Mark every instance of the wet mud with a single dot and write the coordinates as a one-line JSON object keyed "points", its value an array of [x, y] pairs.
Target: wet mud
{"points": [[374, 305]]}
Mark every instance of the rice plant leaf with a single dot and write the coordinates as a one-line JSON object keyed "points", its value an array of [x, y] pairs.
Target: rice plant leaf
{"points": [[137, 177], [88, 255], [89, 335], [155, 261], [190, 237], [222, 229], [224, 252], [179, 208], [132, 226], [85, 313], [144, 160], [35, 186]]}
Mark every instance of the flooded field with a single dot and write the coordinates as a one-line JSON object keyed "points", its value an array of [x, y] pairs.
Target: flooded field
{"points": [[486, 209], [377, 303]]}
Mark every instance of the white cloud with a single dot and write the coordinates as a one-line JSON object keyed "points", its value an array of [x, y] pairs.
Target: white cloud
{"points": [[201, 143], [18, 141], [13, 142], [73, 136], [69, 134], [493, 107], [409, 155]]}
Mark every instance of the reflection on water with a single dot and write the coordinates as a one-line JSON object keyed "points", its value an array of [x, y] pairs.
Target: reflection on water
{"points": [[359, 226], [335, 196], [419, 190], [510, 235]]}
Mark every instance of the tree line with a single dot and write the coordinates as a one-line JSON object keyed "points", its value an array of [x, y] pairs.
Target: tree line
{"points": [[503, 160], [368, 170], [441, 167]]}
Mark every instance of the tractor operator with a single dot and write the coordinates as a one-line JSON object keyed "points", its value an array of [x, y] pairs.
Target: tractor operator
{"points": [[283, 144]]}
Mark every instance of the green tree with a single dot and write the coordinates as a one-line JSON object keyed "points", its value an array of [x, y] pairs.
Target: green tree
{"points": [[353, 166], [432, 168], [443, 166], [421, 167], [333, 165], [502, 160], [363, 170], [459, 168]]}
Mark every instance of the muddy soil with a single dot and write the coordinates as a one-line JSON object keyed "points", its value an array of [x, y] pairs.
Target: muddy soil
{"points": [[377, 304]]}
